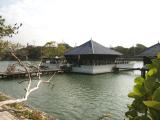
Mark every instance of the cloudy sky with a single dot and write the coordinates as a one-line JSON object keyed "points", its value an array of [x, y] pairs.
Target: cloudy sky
{"points": [[109, 22]]}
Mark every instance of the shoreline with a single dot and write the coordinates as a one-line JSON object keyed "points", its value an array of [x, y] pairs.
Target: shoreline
{"points": [[21, 111]]}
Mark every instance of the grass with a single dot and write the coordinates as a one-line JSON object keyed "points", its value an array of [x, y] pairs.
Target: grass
{"points": [[3, 97], [21, 111]]}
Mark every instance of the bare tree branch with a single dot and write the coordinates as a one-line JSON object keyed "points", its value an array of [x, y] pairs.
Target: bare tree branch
{"points": [[28, 89]]}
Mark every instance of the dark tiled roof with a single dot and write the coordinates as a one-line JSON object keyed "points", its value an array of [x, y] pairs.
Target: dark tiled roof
{"points": [[92, 47], [151, 51]]}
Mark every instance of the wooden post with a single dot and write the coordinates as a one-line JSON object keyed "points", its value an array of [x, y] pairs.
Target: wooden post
{"points": [[143, 72], [115, 70]]}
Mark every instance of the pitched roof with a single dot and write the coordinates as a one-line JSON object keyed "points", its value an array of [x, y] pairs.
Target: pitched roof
{"points": [[151, 51], [92, 47]]}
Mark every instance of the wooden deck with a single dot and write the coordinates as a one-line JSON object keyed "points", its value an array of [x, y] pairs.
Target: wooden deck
{"points": [[25, 74]]}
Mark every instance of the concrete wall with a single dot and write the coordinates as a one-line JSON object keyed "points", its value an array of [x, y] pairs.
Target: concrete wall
{"points": [[97, 69], [103, 68], [125, 65]]}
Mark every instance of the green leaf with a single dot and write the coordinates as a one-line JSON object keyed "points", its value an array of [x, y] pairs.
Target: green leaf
{"points": [[134, 95], [130, 107], [150, 66], [156, 94], [155, 62], [146, 94], [143, 117], [131, 113], [158, 55], [139, 89], [154, 114], [152, 104], [139, 80], [158, 75], [138, 105], [149, 85], [152, 72]]}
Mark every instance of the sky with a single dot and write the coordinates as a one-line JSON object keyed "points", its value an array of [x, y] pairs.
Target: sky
{"points": [[108, 22]]}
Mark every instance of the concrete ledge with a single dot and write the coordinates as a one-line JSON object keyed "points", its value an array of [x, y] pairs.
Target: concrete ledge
{"points": [[6, 116]]}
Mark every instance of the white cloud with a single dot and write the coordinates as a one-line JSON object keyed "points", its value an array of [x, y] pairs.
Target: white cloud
{"points": [[111, 23]]}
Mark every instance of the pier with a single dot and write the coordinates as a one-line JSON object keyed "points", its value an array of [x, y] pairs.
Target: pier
{"points": [[143, 70], [25, 74], [125, 69]]}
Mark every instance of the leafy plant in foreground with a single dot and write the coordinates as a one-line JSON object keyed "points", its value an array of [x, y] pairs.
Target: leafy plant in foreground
{"points": [[146, 95]]}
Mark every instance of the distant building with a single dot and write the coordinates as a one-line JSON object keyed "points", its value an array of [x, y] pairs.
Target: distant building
{"points": [[91, 58], [150, 53]]}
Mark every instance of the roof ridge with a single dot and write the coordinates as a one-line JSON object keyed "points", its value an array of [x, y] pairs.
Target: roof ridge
{"points": [[92, 46], [150, 51], [151, 47]]}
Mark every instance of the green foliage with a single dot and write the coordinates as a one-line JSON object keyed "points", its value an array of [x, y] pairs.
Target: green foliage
{"points": [[50, 49], [146, 95], [4, 45], [32, 115], [7, 31], [152, 104], [36, 52], [3, 97], [132, 51]]}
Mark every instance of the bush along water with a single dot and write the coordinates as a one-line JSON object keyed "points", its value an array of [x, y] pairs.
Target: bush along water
{"points": [[146, 95]]}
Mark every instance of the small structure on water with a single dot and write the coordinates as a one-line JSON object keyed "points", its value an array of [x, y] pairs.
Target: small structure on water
{"points": [[54, 63], [92, 58], [149, 54]]}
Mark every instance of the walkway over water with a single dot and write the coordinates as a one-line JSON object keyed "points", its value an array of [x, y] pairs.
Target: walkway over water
{"points": [[25, 74]]}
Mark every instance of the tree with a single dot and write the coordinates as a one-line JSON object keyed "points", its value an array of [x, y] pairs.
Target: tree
{"points": [[49, 49], [67, 46], [22, 53], [50, 44], [8, 30], [60, 50], [132, 51], [3, 45], [121, 49], [139, 48], [30, 88], [34, 53]]}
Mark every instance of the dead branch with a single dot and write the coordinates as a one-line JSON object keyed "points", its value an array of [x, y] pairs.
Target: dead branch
{"points": [[28, 89]]}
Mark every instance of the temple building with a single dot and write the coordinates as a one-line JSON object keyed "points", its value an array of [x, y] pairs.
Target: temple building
{"points": [[92, 58], [150, 53]]}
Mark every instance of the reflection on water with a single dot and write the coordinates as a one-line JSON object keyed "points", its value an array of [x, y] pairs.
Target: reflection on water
{"points": [[79, 97]]}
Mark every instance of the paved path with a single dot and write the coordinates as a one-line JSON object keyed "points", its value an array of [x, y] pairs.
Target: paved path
{"points": [[6, 116]]}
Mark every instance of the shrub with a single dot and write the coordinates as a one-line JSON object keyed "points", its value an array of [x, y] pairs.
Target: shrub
{"points": [[146, 95]]}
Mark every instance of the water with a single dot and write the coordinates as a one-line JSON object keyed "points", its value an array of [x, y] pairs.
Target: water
{"points": [[77, 96]]}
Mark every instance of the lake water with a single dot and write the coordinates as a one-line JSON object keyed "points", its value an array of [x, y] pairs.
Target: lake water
{"points": [[77, 96]]}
